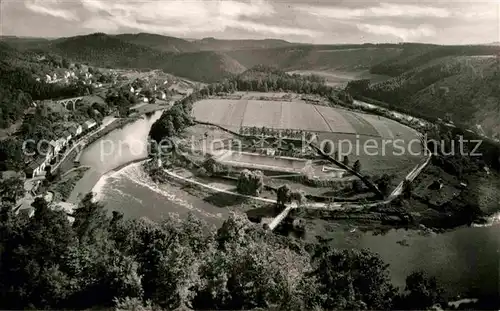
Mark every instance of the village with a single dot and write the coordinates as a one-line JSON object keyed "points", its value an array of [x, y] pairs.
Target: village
{"points": [[81, 118]]}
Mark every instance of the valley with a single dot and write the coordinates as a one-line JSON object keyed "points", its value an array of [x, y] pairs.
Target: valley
{"points": [[220, 163]]}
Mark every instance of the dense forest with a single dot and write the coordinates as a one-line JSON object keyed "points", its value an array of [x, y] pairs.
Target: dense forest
{"points": [[458, 84], [102, 261]]}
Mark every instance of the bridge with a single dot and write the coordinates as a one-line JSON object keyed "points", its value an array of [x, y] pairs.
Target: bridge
{"points": [[69, 103]]}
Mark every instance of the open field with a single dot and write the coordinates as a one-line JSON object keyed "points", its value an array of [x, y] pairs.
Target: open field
{"points": [[296, 115]]}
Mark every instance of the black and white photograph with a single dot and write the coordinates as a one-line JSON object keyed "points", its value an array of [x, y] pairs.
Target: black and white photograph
{"points": [[276, 155]]}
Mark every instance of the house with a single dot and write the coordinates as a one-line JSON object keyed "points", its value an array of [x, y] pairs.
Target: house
{"points": [[436, 185], [49, 153], [36, 167], [48, 78], [132, 89], [89, 124], [270, 151], [66, 135], [75, 130], [55, 146], [145, 99], [28, 211], [72, 131]]}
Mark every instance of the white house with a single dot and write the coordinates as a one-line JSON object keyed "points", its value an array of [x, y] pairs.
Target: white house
{"points": [[56, 146], [48, 78], [132, 89], [89, 124], [66, 135], [75, 130], [36, 167], [270, 152], [145, 99], [61, 142]]}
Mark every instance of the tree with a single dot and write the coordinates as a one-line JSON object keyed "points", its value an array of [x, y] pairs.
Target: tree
{"points": [[298, 196], [11, 189], [384, 184], [328, 147], [65, 63], [211, 166], [357, 185], [351, 279], [250, 182], [283, 195], [90, 219], [421, 292], [407, 189], [346, 161], [357, 166]]}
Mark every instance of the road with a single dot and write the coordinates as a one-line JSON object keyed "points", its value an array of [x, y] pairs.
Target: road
{"points": [[81, 142]]}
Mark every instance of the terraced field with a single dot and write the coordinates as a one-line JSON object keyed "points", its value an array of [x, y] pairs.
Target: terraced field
{"points": [[382, 145], [298, 115]]}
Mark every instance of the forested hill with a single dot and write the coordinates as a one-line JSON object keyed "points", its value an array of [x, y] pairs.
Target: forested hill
{"points": [[421, 73], [158, 42], [459, 83], [19, 86], [103, 50]]}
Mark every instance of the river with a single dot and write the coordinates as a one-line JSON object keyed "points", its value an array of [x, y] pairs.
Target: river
{"points": [[465, 260], [119, 182]]}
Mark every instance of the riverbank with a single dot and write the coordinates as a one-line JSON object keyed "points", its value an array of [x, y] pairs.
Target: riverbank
{"points": [[98, 166]]}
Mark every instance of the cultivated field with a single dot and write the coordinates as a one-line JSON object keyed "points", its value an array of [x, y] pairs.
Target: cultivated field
{"points": [[295, 115], [382, 145]]}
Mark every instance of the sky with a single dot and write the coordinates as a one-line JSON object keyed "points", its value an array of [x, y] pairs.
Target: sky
{"points": [[318, 22]]}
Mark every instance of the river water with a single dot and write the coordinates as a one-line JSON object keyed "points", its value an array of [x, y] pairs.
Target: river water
{"points": [[464, 260], [121, 184]]}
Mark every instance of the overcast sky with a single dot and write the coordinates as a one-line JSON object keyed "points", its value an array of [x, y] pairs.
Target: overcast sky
{"points": [[319, 21]]}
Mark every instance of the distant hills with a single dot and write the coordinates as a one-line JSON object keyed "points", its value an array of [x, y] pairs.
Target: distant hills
{"points": [[416, 73], [212, 44]]}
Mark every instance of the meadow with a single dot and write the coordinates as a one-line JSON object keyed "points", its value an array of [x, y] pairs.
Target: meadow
{"points": [[293, 115]]}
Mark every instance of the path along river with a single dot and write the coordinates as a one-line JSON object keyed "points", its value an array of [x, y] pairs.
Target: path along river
{"points": [[464, 260]]}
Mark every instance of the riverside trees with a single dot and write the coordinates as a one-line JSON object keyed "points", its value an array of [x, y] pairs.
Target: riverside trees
{"points": [[250, 182], [101, 261]]}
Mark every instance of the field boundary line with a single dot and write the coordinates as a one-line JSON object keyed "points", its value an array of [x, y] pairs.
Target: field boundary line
{"points": [[324, 119]]}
